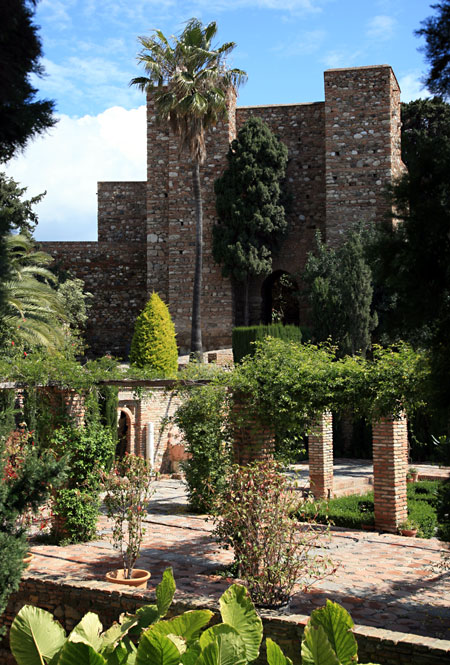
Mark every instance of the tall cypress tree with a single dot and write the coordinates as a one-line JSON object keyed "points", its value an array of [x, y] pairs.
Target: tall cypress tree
{"points": [[251, 214], [340, 293]]}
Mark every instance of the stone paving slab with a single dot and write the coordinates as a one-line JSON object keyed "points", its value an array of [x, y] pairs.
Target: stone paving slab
{"points": [[384, 580]]}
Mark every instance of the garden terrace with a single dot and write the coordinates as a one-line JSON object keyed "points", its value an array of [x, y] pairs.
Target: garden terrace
{"points": [[395, 588]]}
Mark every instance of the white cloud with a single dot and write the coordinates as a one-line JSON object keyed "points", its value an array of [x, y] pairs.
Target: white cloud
{"points": [[341, 58], [411, 87], [381, 27], [70, 160]]}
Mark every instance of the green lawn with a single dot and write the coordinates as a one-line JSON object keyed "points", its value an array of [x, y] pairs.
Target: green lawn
{"points": [[358, 509]]}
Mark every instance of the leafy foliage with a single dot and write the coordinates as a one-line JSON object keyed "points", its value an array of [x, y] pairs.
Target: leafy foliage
{"points": [[243, 337], [249, 204], [21, 115], [202, 420], [253, 517], [37, 638], [74, 515], [153, 344], [436, 30], [340, 294]]}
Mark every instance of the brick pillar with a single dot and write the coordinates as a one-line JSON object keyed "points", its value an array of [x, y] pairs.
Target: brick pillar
{"points": [[253, 441], [320, 447], [390, 446]]}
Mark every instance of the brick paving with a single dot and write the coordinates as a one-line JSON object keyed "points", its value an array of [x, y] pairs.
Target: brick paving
{"points": [[384, 580]]}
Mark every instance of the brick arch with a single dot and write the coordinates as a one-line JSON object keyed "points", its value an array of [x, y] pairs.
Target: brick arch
{"points": [[130, 426]]}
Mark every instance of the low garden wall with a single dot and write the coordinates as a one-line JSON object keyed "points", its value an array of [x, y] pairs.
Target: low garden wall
{"points": [[70, 601]]}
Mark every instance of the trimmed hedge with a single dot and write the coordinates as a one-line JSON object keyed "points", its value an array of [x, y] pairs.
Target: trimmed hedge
{"points": [[243, 337]]}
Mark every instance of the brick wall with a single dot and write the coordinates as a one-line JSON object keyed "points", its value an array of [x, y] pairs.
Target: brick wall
{"points": [[154, 406], [320, 455]]}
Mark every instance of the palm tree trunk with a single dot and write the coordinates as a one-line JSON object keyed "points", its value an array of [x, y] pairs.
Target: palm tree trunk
{"points": [[196, 328]]}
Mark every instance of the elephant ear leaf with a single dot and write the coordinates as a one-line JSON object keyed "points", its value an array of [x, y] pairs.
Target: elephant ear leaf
{"points": [[35, 636], [157, 649], [79, 653], [187, 625], [316, 649], [237, 610], [165, 592], [229, 647], [274, 654], [88, 631], [337, 624]]}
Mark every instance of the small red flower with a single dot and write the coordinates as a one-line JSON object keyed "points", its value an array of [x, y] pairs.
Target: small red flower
{"points": [[25, 354], [12, 344]]}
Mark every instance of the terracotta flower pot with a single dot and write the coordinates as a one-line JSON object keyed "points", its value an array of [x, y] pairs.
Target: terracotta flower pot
{"points": [[409, 532], [138, 580]]}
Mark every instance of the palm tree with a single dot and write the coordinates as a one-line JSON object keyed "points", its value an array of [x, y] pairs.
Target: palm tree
{"points": [[190, 85], [34, 310]]}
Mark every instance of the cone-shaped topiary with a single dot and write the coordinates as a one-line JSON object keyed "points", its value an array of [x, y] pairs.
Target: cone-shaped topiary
{"points": [[153, 344]]}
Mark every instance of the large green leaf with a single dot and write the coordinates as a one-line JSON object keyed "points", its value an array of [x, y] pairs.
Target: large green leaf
{"points": [[187, 625], [237, 610], [274, 654], [165, 592], [316, 649], [79, 653], [190, 656], [146, 616], [337, 624], [35, 636], [210, 655], [156, 649], [123, 654], [230, 646], [88, 631], [115, 633]]}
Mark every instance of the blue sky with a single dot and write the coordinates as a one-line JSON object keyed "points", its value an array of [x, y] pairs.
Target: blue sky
{"points": [[90, 49]]}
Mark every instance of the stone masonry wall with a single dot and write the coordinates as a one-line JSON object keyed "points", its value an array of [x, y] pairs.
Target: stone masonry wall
{"points": [[122, 211], [300, 128], [362, 131], [115, 274], [342, 154]]}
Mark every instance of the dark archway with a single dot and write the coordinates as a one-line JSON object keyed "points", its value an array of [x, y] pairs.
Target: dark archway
{"points": [[280, 301], [123, 433]]}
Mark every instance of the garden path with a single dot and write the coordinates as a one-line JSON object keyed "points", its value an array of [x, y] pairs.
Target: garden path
{"points": [[384, 580]]}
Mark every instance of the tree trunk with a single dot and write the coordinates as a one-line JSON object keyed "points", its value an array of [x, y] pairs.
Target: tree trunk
{"points": [[196, 328], [246, 303]]}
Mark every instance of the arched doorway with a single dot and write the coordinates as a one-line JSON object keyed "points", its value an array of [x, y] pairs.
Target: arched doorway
{"points": [[280, 301], [123, 432]]}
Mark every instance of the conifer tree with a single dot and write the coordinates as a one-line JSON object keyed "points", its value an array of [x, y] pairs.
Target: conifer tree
{"points": [[340, 293], [154, 345], [249, 205]]}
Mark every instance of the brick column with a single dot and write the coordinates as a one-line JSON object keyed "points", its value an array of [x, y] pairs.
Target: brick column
{"points": [[320, 448], [390, 445], [253, 441]]}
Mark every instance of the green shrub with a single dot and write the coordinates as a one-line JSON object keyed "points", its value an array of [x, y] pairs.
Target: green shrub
{"points": [[347, 511], [208, 442], [253, 516], [88, 450], [243, 337], [424, 490], [424, 515], [75, 515], [153, 344]]}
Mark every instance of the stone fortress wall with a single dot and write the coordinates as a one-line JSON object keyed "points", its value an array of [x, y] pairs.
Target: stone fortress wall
{"points": [[342, 154]]}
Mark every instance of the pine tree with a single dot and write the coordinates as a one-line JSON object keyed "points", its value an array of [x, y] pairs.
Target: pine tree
{"points": [[154, 345], [249, 205], [340, 293], [436, 30]]}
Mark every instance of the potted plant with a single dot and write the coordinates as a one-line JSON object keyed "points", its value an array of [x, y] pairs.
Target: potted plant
{"points": [[408, 528], [128, 490], [413, 475]]}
